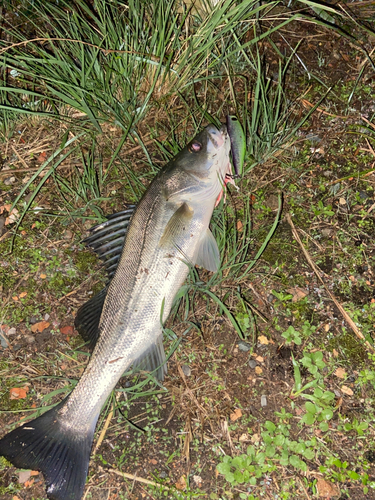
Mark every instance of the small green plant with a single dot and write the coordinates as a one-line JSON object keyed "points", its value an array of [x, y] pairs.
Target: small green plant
{"points": [[313, 361], [292, 336], [324, 211]]}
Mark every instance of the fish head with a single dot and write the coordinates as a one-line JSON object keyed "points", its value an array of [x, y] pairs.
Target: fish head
{"points": [[200, 169]]}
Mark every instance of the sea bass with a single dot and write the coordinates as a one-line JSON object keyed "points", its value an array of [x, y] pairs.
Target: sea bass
{"points": [[168, 232]]}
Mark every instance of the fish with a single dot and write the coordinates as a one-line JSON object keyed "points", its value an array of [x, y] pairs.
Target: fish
{"points": [[147, 250]]}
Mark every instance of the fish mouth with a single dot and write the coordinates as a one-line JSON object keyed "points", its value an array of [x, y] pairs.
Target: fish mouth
{"points": [[217, 137]]}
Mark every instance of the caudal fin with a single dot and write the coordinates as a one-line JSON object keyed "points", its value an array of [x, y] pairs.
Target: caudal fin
{"points": [[60, 452]]}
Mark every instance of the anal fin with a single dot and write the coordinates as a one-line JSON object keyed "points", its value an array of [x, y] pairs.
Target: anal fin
{"points": [[153, 359]]}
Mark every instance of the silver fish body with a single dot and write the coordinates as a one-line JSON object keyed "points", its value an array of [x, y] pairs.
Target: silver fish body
{"points": [[168, 232]]}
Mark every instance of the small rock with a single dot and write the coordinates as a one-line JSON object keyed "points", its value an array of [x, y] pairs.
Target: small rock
{"points": [[252, 363], [9, 180], [46, 317], [11, 331], [29, 339], [33, 320], [163, 474], [243, 346], [327, 231], [186, 370], [68, 235], [263, 400]]}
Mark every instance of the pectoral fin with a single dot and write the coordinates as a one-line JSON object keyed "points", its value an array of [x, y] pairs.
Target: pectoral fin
{"points": [[208, 255], [176, 225]]}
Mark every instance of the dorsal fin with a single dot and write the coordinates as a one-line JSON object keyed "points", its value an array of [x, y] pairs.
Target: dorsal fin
{"points": [[88, 316], [107, 239]]}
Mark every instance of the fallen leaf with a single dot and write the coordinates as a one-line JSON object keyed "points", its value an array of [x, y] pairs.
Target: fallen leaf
{"points": [[16, 498], [236, 414], [262, 339], [347, 390], [243, 438], [43, 276], [39, 327], [181, 483], [22, 295], [24, 476], [42, 157], [260, 359], [340, 372], [153, 461], [258, 370], [255, 438], [327, 327], [15, 298], [298, 293], [335, 353], [29, 483], [18, 392], [239, 226], [67, 330], [327, 489]]}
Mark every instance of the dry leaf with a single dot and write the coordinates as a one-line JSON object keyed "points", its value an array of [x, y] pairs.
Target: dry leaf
{"points": [[327, 489], [153, 461], [24, 476], [260, 359], [340, 372], [181, 483], [298, 293], [236, 414], [258, 370], [347, 390], [335, 353], [15, 298], [255, 438], [67, 330], [18, 392], [243, 438], [239, 226], [327, 327], [263, 340], [22, 295], [43, 276], [42, 157], [39, 327]]}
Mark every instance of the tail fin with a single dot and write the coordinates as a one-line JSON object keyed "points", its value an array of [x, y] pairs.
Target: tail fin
{"points": [[61, 453]]}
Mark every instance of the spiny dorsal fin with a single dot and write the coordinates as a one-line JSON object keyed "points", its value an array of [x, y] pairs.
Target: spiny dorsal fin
{"points": [[176, 225], [208, 255], [107, 239], [153, 359]]}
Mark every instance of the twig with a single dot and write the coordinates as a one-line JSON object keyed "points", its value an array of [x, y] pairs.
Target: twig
{"points": [[103, 432], [188, 390], [346, 316], [139, 479]]}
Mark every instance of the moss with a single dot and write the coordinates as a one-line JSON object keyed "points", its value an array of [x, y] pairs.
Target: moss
{"points": [[348, 343], [85, 261]]}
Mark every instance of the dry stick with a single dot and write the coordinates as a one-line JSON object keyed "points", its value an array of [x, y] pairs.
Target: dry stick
{"points": [[139, 479], [104, 430], [346, 316]]}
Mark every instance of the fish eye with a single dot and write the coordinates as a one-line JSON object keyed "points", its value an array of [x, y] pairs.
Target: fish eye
{"points": [[195, 147]]}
